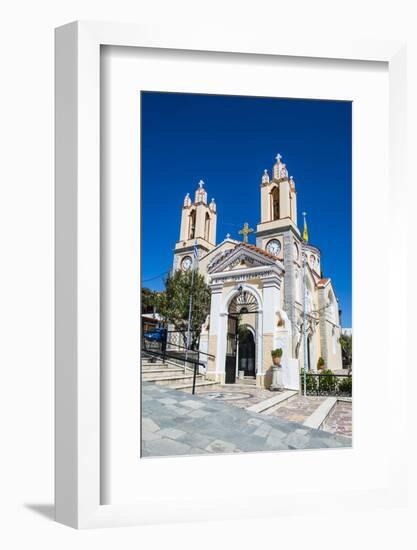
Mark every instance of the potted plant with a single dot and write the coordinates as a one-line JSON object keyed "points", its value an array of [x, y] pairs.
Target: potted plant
{"points": [[276, 356], [320, 363]]}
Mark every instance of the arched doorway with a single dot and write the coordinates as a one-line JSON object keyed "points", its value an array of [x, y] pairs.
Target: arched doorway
{"points": [[240, 345], [246, 351]]}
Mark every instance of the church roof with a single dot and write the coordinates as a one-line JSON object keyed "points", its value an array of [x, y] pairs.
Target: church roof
{"points": [[321, 283], [260, 250], [257, 256]]}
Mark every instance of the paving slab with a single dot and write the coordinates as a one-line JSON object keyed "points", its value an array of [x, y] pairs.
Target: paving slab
{"points": [[181, 429], [339, 420], [266, 404], [316, 419]]}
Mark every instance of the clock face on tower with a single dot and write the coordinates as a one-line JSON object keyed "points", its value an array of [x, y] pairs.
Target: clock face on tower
{"points": [[273, 247], [186, 263]]}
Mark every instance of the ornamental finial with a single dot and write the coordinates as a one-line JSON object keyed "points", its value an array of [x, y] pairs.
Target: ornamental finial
{"points": [[187, 200], [278, 167], [280, 171], [265, 176], [201, 193]]}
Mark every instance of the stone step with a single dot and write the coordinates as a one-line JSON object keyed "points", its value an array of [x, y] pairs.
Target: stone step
{"points": [[157, 361], [197, 384], [146, 369], [268, 405], [174, 379], [316, 419], [245, 382], [165, 373]]}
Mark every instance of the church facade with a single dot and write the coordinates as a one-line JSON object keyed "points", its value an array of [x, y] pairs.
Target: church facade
{"points": [[258, 291]]}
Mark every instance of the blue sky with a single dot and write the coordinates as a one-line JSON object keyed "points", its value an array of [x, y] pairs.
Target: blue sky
{"points": [[228, 141]]}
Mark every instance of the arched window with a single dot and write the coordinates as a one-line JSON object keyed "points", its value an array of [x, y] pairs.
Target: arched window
{"points": [[331, 310], [207, 227], [191, 230], [275, 204]]}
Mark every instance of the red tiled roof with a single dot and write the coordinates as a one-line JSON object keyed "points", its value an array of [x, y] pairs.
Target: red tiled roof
{"points": [[260, 250]]}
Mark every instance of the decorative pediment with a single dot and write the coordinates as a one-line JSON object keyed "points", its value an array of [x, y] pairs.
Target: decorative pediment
{"points": [[240, 257]]}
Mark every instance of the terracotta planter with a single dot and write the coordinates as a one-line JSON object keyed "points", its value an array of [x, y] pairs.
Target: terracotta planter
{"points": [[276, 360]]}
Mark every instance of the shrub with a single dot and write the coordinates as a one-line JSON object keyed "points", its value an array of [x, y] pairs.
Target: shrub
{"points": [[327, 381], [276, 352], [345, 385], [320, 363], [311, 382]]}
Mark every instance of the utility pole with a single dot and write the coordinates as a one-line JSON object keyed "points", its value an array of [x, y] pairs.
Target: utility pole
{"points": [[190, 304], [305, 304]]}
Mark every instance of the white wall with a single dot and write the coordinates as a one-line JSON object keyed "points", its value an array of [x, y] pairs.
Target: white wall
{"points": [[26, 218]]}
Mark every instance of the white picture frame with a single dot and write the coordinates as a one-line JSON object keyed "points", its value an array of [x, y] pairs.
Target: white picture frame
{"points": [[78, 404]]}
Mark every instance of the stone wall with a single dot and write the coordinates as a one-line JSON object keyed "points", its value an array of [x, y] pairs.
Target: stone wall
{"points": [[211, 363], [289, 281], [268, 344]]}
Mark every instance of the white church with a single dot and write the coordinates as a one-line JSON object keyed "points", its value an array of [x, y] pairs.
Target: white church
{"points": [[257, 292]]}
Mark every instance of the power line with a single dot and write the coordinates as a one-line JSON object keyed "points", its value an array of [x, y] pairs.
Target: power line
{"points": [[156, 277]]}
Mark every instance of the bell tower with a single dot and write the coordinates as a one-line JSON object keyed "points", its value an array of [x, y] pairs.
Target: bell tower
{"points": [[277, 232], [278, 197], [278, 205], [198, 228]]}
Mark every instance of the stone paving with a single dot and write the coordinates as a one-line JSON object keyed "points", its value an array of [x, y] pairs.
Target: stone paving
{"points": [[298, 408], [238, 395], [176, 423], [339, 420]]}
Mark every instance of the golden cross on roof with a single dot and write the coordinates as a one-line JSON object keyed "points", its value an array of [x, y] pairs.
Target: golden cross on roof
{"points": [[245, 232]]}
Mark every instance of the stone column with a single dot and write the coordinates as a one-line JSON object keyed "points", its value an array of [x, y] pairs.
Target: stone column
{"points": [[213, 336], [271, 300]]}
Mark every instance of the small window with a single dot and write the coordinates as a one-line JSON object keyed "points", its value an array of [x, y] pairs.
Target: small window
{"points": [[191, 232], [275, 204]]}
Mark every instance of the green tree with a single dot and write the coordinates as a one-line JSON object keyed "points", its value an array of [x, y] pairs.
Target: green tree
{"points": [[174, 302], [346, 344], [149, 298]]}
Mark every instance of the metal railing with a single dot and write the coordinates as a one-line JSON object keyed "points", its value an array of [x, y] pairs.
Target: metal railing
{"points": [[327, 384], [178, 339], [189, 358]]}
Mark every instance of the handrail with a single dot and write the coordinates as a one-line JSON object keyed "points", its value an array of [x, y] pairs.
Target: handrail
{"points": [[163, 354], [192, 350], [179, 345]]}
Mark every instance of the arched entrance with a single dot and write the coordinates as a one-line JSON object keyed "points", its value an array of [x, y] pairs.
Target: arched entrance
{"points": [[246, 351], [241, 337]]}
